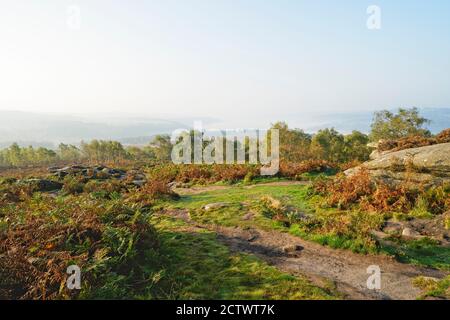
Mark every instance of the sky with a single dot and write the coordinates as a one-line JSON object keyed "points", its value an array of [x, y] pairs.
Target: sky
{"points": [[247, 62]]}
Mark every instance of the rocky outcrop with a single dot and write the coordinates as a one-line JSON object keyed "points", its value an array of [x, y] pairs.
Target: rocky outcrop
{"points": [[96, 172], [429, 165], [42, 185], [136, 177]]}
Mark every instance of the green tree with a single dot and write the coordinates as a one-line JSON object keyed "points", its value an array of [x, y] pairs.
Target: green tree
{"points": [[68, 153], [406, 122], [294, 143], [161, 146], [328, 144], [356, 146]]}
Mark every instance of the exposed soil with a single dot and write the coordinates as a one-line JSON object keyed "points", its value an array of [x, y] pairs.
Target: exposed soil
{"points": [[346, 269]]}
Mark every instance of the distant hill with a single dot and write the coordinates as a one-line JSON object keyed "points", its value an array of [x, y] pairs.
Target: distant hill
{"points": [[48, 130], [39, 129]]}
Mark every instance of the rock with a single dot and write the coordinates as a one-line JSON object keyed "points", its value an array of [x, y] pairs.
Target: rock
{"points": [[380, 234], [33, 260], [53, 169], [173, 184], [77, 167], [139, 177], [179, 214], [213, 206], [96, 172], [248, 216], [292, 248], [393, 227], [410, 233], [375, 155], [139, 183], [373, 145], [104, 174], [91, 173], [43, 185], [429, 165], [61, 174], [434, 228]]}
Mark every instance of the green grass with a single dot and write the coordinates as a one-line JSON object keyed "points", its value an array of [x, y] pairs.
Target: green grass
{"points": [[243, 199], [438, 289], [294, 194], [423, 252], [199, 267]]}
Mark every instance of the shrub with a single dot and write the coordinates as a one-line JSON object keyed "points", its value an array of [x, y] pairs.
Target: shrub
{"points": [[349, 165], [157, 189], [414, 141], [443, 136], [248, 177], [45, 235], [344, 191], [72, 185], [295, 170], [433, 287], [359, 190], [447, 222], [104, 189]]}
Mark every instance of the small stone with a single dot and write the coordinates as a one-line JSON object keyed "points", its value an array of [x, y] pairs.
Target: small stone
{"points": [[248, 216], [409, 233], [173, 184], [292, 248], [213, 206], [379, 234], [32, 260], [393, 227], [139, 183], [53, 169]]}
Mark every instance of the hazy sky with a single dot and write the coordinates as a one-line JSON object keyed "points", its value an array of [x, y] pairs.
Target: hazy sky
{"points": [[229, 59]]}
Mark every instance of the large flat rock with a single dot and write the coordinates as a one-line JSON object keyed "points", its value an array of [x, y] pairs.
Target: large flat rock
{"points": [[429, 165]]}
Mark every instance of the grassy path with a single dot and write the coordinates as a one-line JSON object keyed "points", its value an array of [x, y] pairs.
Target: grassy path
{"points": [[199, 266], [320, 264]]}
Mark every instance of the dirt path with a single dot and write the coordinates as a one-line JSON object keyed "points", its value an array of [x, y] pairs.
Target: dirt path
{"points": [[346, 269]]}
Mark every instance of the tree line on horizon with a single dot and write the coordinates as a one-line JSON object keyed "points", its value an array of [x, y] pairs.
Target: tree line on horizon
{"points": [[295, 144]]}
